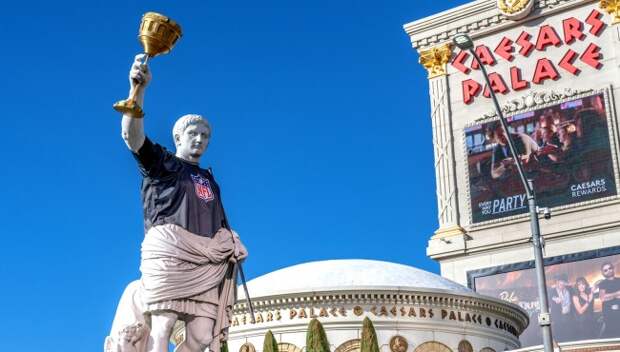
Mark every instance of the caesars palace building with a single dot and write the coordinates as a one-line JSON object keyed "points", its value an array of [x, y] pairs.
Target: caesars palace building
{"points": [[555, 66]]}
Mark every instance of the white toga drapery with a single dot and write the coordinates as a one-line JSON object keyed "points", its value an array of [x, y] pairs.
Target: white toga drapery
{"points": [[191, 274]]}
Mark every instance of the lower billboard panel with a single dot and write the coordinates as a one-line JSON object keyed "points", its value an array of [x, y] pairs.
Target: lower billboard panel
{"points": [[583, 293]]}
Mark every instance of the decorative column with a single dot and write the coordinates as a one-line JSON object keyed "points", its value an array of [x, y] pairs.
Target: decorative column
{"points": [[435, 60], [612, 8]]}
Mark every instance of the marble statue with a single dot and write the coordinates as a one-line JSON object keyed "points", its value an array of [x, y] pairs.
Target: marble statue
{"points": [[189, 254]]}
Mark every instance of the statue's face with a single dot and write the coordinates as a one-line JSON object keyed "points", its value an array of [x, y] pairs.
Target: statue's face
{"points": [[192, 143]]}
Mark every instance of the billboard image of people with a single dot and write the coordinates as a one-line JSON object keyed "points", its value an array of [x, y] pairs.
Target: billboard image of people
{"points": [[584, 298], [564, 148]]}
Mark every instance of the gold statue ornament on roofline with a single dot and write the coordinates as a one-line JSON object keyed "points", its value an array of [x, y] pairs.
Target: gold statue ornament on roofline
{"points": [[157, 34]]}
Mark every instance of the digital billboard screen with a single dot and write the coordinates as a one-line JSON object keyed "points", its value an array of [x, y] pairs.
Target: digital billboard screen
{"points": [[583, 295], [565, 149]]}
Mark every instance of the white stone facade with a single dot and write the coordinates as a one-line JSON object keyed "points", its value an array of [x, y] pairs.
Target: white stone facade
{"points": [[459, 244]]}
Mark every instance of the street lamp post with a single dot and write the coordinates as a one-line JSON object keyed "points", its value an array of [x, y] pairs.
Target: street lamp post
{"points": [[464, 42]]}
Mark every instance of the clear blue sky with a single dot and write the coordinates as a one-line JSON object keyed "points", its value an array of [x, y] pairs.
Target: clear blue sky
{"points": [[321, 144]]}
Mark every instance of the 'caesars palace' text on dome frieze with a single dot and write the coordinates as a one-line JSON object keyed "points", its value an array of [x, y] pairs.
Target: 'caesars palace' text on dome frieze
{"points": [[403, 312]]}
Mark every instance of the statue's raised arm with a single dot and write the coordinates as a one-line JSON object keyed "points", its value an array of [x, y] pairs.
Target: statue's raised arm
{"points": [[158, 34], [133, 126]]}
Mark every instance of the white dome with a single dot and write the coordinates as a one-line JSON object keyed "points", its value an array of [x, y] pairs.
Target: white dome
{"points": [[347, 274]]}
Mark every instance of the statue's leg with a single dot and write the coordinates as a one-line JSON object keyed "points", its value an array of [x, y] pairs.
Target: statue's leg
{"points": [[198, 334], [162, 323]]}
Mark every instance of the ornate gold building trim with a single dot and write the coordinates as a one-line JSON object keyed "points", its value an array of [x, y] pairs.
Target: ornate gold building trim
{"points": [[512, 6], [612, 7], [435, 59], [515, 9]]}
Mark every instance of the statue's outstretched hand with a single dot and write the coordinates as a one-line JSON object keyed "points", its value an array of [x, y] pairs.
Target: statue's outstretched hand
{"points": [[139, 73], [240, 252]]}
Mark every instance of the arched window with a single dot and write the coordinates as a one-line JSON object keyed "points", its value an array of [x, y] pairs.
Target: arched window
{"points": [[350, 346], [288, 347], [432, 346], [247, 347], [465, 346]]}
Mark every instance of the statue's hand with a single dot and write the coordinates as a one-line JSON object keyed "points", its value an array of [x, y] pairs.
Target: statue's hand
{"points": [[240, 252], [139, 73]]}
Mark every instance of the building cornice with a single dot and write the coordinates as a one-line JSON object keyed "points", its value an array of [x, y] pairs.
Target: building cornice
{"points": [[537, 100], [477, 19]]}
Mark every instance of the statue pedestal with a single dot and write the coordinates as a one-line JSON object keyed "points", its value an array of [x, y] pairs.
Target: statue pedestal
{"points": [[130, 330]]}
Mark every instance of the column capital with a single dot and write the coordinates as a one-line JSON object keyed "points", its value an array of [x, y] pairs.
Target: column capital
{"points": [[435, 59], [612, 7]]}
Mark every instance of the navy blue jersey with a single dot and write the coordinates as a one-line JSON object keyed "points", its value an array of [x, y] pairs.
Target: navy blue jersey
{"points": [[175, 191]]}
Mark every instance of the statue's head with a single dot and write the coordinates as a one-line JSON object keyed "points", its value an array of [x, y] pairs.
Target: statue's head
{"points": [[191, 135]]}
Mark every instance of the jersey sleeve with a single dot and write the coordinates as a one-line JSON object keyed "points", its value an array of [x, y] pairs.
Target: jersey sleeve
{"points": [[151, 158]]}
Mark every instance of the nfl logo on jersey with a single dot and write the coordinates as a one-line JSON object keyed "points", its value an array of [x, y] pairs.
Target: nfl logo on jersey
{"points": [[202, 187]]}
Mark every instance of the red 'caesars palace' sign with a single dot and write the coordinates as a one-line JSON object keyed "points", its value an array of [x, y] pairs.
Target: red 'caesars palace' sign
{"points": [[573, 29]]}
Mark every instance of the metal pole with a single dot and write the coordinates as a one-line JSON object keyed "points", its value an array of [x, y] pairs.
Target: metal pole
{"points": [[247, 294], [544, 318], [243, 282]]}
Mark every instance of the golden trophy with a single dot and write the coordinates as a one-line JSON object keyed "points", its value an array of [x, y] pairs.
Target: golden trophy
{"points": [[158, 34]]}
